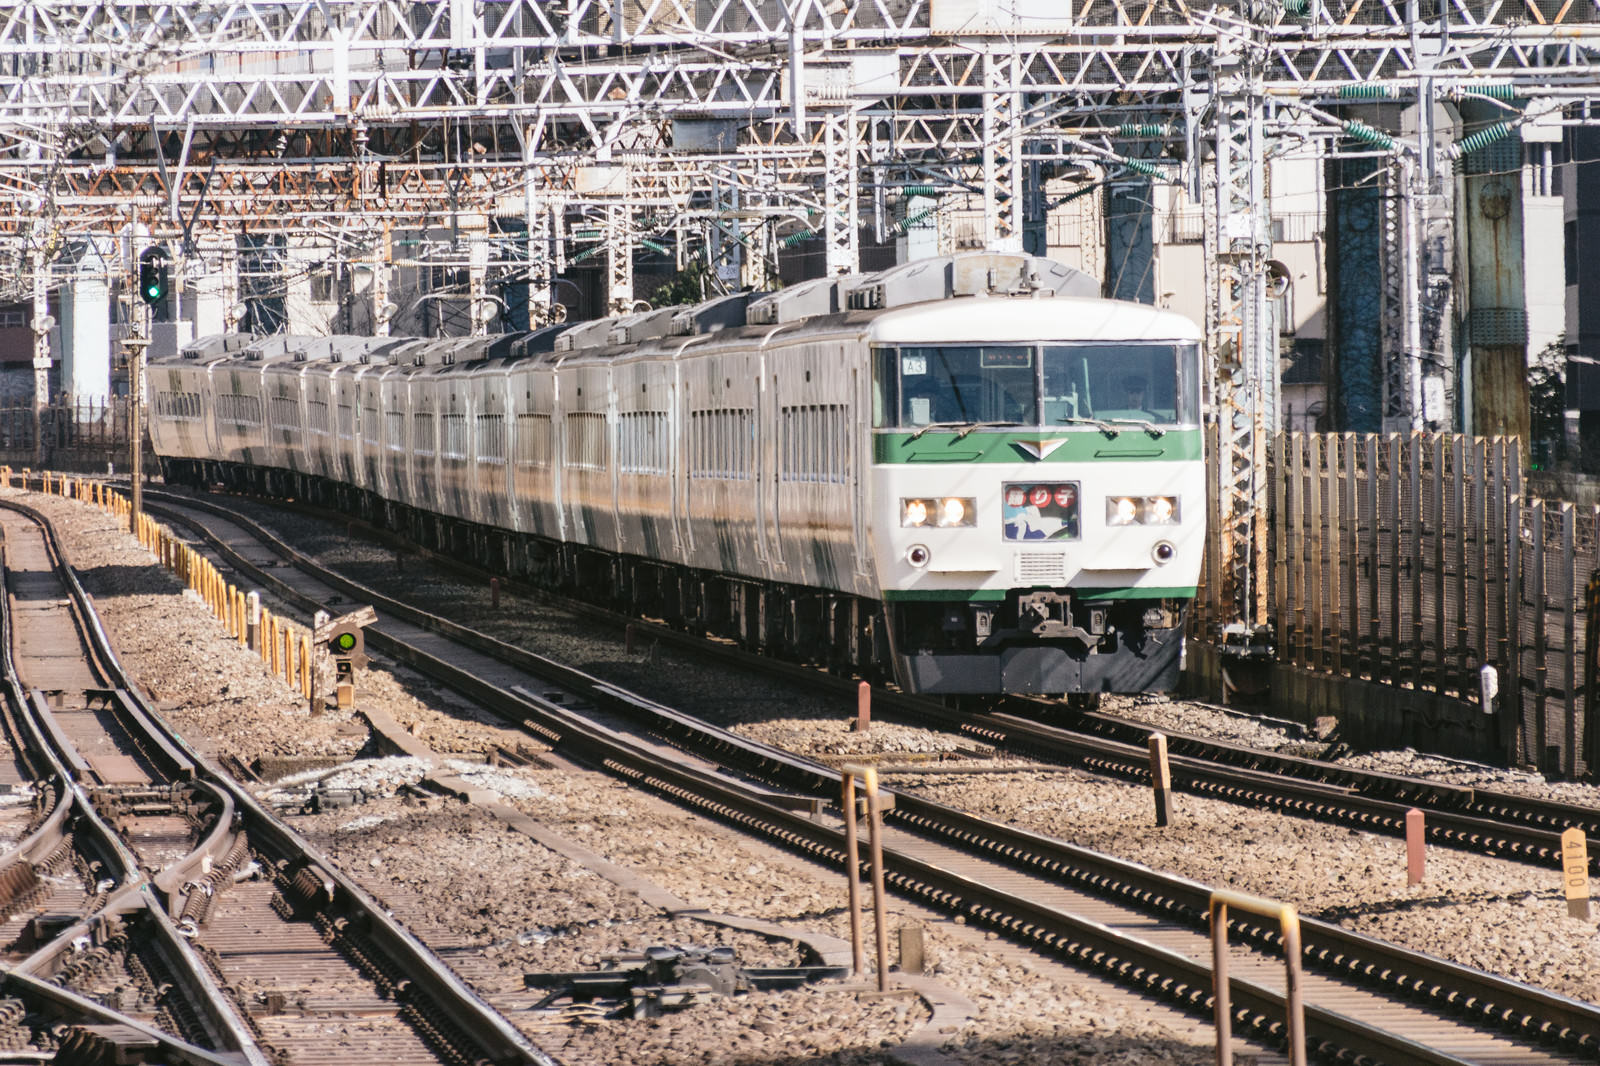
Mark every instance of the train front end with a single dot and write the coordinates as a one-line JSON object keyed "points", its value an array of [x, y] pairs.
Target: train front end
{"points": [[1037, 493]]}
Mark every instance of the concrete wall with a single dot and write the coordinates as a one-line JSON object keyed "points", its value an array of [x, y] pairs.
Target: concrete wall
{"points": [[1371, 716]]}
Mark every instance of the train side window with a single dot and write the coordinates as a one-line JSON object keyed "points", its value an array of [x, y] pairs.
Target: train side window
{"points": [[885, 388]]}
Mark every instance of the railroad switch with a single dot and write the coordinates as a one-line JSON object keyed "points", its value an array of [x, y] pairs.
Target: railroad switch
{"points": [[667, 978]]}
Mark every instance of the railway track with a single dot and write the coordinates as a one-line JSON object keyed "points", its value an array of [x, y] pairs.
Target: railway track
{"points": [[192, 912], [1367, 1000], [1478, 820]]}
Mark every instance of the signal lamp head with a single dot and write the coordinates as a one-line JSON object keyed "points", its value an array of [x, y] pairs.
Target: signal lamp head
{"points": [[347, 642]]}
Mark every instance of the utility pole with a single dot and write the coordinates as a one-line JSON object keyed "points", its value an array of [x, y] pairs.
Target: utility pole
{"points": [[42, 324], [1242, 340], [135, 347]]}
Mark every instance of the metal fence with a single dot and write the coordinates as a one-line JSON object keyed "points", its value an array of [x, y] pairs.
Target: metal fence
{"points": [[79, 435], [1413, 560]]}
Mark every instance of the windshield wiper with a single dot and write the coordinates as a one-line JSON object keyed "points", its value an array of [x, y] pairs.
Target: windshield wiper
{"points": [[1103, 426], [986, 425], [1149, 427], [964, 427]]}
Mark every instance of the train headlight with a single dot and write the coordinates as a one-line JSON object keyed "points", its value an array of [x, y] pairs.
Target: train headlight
{"points": [[1161, 511], [945, 512], [1121, 511], [958, 511], [1141, 510]]}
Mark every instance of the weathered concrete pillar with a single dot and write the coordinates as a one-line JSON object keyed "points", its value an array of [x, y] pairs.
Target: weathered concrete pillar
{"points": [[1495, 322], [86, 327], [1355, 293], [1130, 243]]}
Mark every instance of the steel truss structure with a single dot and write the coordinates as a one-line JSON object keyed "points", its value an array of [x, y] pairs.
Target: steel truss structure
{"points": [[519, 126]]}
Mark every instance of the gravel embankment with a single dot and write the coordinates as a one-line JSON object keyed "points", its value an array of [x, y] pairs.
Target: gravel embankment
{"points": [[1498, 915]]}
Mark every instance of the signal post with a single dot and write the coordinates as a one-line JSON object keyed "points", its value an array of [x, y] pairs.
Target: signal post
{"points": [[347, 644], [154, 282]]}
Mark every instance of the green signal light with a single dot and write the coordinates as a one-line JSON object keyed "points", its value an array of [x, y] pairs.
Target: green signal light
{"points": [[345, 641]]}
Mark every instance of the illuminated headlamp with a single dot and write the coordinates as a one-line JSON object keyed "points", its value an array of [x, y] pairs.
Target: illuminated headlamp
{"points": [[1142, 510], [944, 512], [1161, 510], [1121, 511]]}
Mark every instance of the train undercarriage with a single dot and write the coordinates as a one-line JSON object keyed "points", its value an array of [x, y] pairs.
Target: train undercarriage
{"points": [[1034, 642]]}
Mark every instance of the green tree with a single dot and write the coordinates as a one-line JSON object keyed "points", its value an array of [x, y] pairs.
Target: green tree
{"points": [[1547, 400], [688, 287]]}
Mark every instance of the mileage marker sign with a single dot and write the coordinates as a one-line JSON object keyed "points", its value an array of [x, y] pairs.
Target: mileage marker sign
{"points": [[1575, 872]]}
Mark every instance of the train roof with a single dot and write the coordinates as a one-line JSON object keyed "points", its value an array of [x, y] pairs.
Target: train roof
{"points": [[990, 321], [969, 297]]}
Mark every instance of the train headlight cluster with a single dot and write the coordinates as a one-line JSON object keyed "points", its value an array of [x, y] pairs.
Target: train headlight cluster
{"points": [[944, 512], [1141, 510]]}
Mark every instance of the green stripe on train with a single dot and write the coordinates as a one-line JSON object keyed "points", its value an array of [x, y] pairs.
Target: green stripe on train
{"points": [[1175, 592], [1132, 445]]}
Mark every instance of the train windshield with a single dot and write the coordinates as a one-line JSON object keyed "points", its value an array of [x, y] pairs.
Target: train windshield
{"points": [[1031, 385]]}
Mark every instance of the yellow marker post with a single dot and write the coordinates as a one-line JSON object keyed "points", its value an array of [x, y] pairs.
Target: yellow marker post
{"points": [[1160, 777], [1575, 871], [852, 863]]}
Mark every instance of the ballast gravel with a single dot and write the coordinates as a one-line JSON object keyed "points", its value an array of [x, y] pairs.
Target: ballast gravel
{"points": [[1495, 914]]}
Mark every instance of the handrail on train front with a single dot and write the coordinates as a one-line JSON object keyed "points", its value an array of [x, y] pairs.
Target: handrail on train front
{"points": [[1289, 920]]}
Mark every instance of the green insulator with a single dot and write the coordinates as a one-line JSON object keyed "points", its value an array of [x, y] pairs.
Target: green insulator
{"points": [[1140, 166], [655, 247], [1077, 193], [1145, 129], [1473, 141], [1505, 91], [795, 238], [1296, 8], [913, 220], [918, 190], [1360, 131], [1365, 91]]}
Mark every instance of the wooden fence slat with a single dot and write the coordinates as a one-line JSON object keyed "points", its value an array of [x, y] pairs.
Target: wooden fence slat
{"points": [[1540, 671], [1336, 482], [1370, 552], [1457, 527], [1413, 520], [1441, 661], [1569, 632], [1484, 529], [1314, 544], [1302, 537], [1283, 594], [1352, 557]]}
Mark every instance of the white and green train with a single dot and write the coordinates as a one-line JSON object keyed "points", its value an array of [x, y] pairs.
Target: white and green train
{"points": [[968, 474]]}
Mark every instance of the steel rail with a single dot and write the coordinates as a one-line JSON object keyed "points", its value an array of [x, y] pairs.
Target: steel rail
{"points": [[1481, 998], [429, 985], [136, 900], [1472, 819]]}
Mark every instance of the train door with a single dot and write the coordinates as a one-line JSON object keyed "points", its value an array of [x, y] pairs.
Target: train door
{"points": [[208, 411], [768, 468], [857, 456], [678, 469], [758, 472]]}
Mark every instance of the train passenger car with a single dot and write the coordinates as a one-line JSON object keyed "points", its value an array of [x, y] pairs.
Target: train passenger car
{"points": [[969, 473], [176, 395]]}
